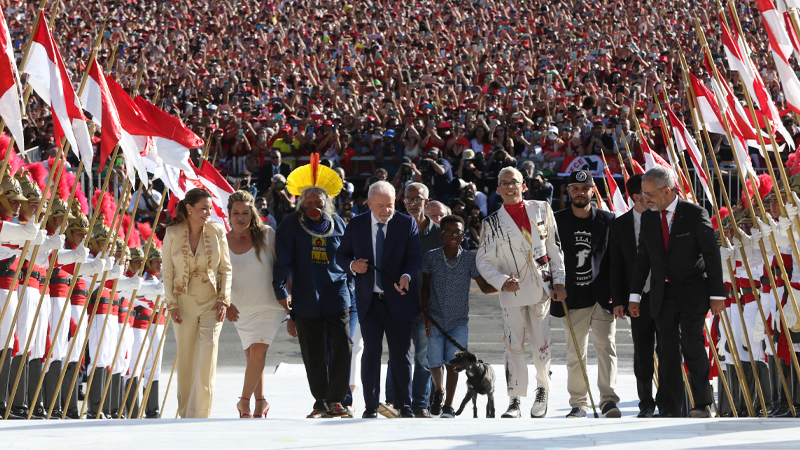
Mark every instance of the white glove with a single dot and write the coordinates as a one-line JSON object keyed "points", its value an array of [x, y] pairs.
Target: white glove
{"points": [[795, 199], [109, 261], [791, 210], [54, 242], [737, 248], [41, 236], [14, 232], [758, 330], [789, 314], [151, 288], [93, 266], [765, 228], [115, 272], [784, 224], [755, 236], [129, 283], [725, 253]]}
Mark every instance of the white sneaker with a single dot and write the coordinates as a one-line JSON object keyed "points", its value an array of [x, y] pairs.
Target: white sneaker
{"points": [[539, 408]]}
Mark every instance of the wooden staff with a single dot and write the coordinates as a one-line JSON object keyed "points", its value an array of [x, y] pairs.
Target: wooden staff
{"points": [[155, 358], [108, 314], [579, 357], [133, 294], [65, 307], [157, 306], [74, 280], [697, 118], [115, 226], [745, 261], [721, 375], [20, 264], [169, 383]]}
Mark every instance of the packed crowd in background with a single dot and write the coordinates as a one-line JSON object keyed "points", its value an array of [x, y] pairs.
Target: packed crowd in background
{"points": [[442, 92]]}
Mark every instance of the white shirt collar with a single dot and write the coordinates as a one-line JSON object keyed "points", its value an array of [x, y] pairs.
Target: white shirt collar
{"points": [[374, 221], [637, 216], [673, 205]]}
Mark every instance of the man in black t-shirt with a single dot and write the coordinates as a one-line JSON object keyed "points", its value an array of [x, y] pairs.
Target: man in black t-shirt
{"points": [[584, 239]]}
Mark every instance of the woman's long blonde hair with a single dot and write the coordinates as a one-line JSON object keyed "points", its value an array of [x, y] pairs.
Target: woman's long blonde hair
{"points": [[258, 231]]}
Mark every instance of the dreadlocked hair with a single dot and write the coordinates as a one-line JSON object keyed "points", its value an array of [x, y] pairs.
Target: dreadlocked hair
{"points": [[258, 231], [191, 198]]}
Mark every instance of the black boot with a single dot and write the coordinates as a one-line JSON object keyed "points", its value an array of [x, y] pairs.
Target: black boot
{"points": [[68, 388], [19, 404], [132, 401], [95, 410], [113, 395], [152, 409], [37, 404], [51, 389]]}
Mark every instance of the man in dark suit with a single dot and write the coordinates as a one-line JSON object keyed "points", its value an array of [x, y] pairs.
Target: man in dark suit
{"points": [[623, 236], [677, 249], [384, 301], [584, 239], [276, 166]]}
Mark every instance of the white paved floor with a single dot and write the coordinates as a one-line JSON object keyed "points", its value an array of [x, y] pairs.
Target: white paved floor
{"points": [[288, 394]]}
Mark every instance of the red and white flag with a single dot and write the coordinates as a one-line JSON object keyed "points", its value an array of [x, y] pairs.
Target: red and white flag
{"points": [[781, 45], [653, 159], [601, 204], [210, 179], [173, 146], [615, 196], [684, 142], [97, 100], [48, 77], [11, 107]]}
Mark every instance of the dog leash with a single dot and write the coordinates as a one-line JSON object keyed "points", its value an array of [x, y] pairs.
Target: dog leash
{"points": [[424, 312]]}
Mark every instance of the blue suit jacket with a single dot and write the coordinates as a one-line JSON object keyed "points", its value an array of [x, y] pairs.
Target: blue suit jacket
{"points": [[401, 255]]}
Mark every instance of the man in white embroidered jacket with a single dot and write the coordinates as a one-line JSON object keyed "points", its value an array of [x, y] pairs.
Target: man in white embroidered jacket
{"points": [[520, 255]]}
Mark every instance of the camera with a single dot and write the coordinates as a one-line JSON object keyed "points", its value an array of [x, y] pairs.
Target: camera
{"points": [[347, 207], [280, 185], [534, 184], [373, 180], [405, 169], [469, 193]]}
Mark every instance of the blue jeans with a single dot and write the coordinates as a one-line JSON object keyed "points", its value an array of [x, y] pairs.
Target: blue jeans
{"points": [[440, 350], [421, 385]]}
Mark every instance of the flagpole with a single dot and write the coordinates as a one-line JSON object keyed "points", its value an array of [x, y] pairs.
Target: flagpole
{"points": [[622, 164], [742, 176], [112, 293], [169, 383], [682, 159], [133, 294], [65, 307], [113, 232], [697, 118], [605, 183], [58, 162], [155, 358], [75, 277], [157, 305], [20, 264]]}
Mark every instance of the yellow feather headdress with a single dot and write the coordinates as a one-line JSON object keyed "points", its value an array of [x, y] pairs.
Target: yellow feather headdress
{"points": [[314, 175]]}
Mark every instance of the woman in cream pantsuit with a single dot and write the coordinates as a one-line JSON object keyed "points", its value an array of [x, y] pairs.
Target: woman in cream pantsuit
{"points": [[197, 284]]}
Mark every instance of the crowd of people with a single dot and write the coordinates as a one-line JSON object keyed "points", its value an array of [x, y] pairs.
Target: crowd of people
{"points": [[438, 117]]}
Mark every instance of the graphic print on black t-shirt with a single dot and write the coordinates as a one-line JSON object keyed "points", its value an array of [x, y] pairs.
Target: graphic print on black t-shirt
{"points": [[583, 248]]}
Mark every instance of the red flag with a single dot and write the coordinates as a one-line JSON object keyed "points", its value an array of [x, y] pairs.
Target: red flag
{"points": [[97, 100], [10, 87], [175, 141], [48, 77], [684, 142], [616, 200]]}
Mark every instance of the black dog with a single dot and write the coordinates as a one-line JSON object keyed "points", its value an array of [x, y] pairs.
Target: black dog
{"points": [[480, 380]]}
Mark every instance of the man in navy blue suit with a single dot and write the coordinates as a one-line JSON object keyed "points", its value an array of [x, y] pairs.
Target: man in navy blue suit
{"points": [[389, 241]]}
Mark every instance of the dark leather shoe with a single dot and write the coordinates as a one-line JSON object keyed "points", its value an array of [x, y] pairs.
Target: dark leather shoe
{"points": [[11, 415], [406, 413], [645, 413], [664, 415], [698, 413], [422, 414], [370, 413], [787, 414]]}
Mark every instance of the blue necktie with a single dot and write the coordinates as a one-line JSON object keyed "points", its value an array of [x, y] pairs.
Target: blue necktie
{"points": [[379, 254]]}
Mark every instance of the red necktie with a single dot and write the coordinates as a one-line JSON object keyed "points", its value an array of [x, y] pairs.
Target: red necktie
{"points": [[665, 228]]}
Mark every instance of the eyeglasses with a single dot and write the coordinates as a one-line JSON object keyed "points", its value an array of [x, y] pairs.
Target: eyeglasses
{"points": [[414, 200], [440, 215], [650, 194], [275, 157], [510, 184], [451, 233]]}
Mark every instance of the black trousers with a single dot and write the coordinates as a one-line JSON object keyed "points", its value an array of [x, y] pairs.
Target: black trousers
{"points": [[681, 334], [643, 333], [328, 384]]}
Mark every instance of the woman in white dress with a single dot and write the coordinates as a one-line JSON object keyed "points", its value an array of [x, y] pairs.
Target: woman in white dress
{"points": [[254, 309]]}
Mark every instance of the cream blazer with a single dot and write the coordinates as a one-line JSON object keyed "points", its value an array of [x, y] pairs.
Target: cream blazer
{"points": [[175, 266], [504, 251]]}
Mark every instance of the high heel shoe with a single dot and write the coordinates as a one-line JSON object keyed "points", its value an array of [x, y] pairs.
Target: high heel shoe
{"points": [[244, 415], [265, 411]]}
